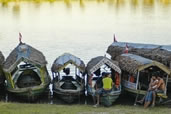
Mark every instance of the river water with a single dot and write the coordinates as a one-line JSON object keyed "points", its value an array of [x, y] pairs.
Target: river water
{"points": [[84, 28]]}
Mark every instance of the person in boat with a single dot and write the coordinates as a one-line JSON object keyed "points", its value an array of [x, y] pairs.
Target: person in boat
{"points": [[131, 78], [66, 71], [150, 95], [107, 87], [117, 80]]}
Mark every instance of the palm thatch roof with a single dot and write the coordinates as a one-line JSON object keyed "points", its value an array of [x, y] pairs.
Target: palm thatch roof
{"points": [[26, 53], [95, 63], [134, 63], [65, 59], [160, 53], [2, 58]]}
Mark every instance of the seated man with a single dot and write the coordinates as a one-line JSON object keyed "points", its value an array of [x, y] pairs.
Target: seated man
{"points": [[160, 88], [107, 87], [149, 97]]}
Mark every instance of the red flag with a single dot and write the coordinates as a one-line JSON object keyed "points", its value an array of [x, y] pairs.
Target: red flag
{"points": [[114, 39], [126, 49], [20, 37]]}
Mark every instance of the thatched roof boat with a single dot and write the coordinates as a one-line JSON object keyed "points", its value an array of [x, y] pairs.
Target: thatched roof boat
{"points": [[24, 52], [2, 77], [95, 65], [65, 59], [68, 87], [26, 72], [2, 58], [141, 69], [160, 53], [134, 63]]}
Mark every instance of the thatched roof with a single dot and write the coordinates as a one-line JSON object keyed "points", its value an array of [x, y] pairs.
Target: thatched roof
{"points": [[1, 72], [160, 53], [2, 58], [95, 63], [66, 59], [24, 52], [133, 63]]}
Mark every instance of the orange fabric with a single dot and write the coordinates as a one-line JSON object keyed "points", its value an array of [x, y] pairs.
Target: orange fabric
{"points": [[131, 79], [117, 80]]}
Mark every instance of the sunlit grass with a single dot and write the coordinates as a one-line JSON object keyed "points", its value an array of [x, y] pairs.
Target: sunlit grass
{"points": [[23, 108]]}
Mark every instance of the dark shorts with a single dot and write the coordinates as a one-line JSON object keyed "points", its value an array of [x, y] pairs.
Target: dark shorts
{"points": [[102, 91], [149, 96]]}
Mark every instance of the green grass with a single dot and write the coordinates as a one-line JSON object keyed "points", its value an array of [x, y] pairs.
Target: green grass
{"points": [[23, 108]]}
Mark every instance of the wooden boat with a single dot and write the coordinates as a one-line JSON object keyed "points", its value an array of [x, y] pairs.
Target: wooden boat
{"points": [[2, 77], [69, 86], [95, 67], [26, 72], [160, 53], [136, 74]]}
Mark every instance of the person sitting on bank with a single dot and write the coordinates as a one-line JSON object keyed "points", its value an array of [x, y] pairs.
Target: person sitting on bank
{"points": [[149, 97], [160, 88], [107, 87]]}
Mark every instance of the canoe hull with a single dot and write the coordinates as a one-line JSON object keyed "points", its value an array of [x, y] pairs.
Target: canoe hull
{"points": [[108, 99], [16, 88], [67, 96], [30, 93]]}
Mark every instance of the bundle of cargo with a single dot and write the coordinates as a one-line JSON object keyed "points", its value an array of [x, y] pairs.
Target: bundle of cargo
{"points": [[26, 72]]}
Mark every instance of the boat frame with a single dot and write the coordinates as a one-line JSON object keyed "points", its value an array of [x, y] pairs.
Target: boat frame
{"points": [[93, 65], [139, 64]]}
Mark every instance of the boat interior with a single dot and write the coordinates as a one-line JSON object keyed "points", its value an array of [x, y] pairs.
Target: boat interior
{"points": [[144, 77], [28, 75], [97, 77], [69, 80]]}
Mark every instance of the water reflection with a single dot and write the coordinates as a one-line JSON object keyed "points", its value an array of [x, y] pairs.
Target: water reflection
{"points": [[148, 2], [82, 3], [135, 3], [16, 8], [68, 3]]}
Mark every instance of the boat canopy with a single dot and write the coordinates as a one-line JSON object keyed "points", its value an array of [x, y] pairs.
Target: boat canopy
{"points": [[160, 53], [136, 45], [24, 52], [2, 58], [95, 63], [62, 61], [134, 63]]}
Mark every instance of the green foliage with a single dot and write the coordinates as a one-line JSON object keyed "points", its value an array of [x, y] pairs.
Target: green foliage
{"points": [[23, 108]]}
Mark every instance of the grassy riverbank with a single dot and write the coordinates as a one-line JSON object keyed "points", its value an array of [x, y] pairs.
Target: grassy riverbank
{"points": [[23, 108]]}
